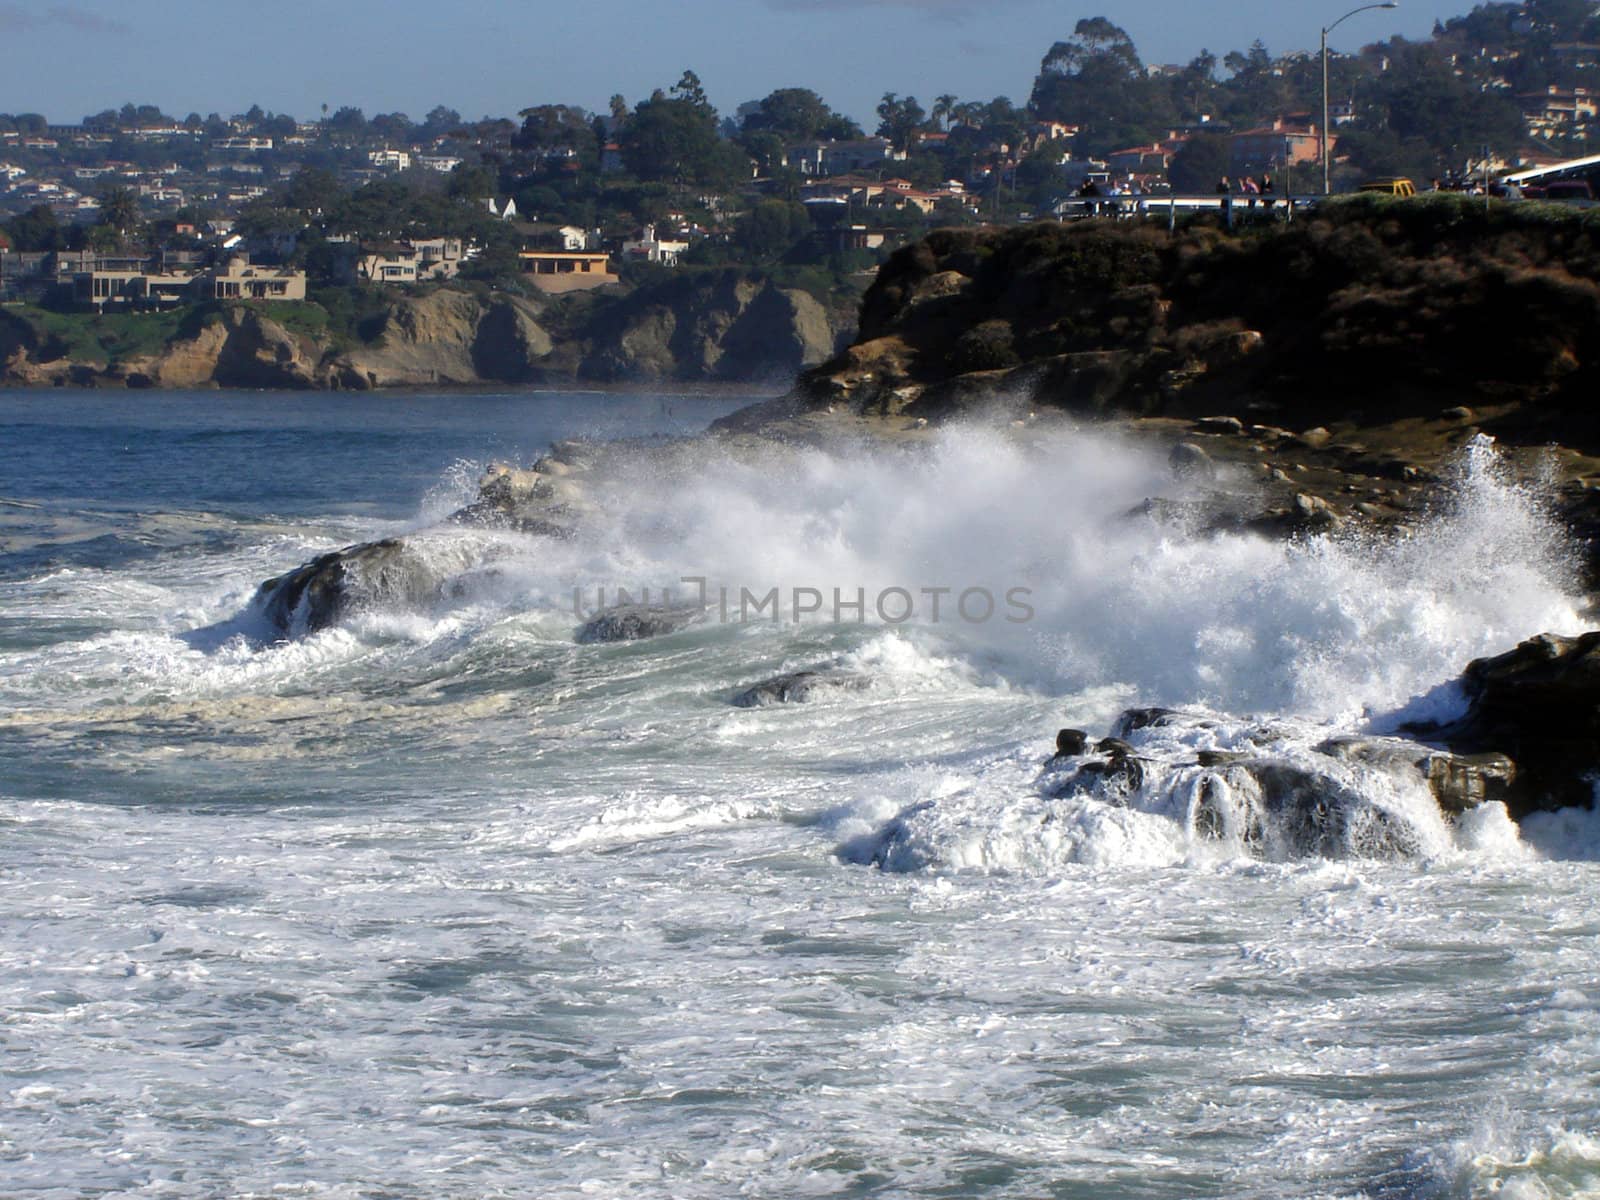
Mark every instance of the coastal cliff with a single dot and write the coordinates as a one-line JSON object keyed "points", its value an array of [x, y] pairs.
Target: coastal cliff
{"points": [[726, 326]]}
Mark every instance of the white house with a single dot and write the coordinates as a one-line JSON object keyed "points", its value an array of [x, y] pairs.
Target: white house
{"points": [[243, 144], [652, 249], [389, 159]]}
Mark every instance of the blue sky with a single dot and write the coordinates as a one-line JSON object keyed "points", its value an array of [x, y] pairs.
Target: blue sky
{"points": [[482, 57]]}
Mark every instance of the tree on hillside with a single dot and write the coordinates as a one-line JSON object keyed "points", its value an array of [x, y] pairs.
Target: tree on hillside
{"points": [[470, 182], [766, 148], [278, 125], [770, 230], [119, 210], [1096, 81], [102, 239], [1563, 20], [798, 115], [688, 88], [674, 139], [1258, 88], [390, 208], [439, 121], [1421, 99], [312, 189], [262, 219], [1038, 177], [1003, 121], [348, 122], [899, 118], [37, 229], [394, 128], [1195, 87], [550, 128]]}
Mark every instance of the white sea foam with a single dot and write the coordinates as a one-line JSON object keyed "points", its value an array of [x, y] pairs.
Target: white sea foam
{"points": [[1551, 1164], [439, 903]]}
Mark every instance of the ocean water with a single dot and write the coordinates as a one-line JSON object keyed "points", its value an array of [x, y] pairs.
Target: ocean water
{"points": [[441, 903]]}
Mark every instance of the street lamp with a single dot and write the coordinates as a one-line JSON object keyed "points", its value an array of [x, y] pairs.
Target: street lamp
{"points": [[1326, 30]]}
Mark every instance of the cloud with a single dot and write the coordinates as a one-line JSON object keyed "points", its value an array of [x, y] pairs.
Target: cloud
{"points": [[14, 18]]}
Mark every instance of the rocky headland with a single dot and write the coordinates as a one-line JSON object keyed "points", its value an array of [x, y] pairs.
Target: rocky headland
{"points": [[1299, 379], [1341, 361]]}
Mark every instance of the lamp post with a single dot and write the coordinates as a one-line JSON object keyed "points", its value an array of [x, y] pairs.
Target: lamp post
{"points": [[1326, 30]]}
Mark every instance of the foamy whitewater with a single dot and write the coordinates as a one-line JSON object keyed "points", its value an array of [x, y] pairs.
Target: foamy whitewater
{"points": [[441, 903]]}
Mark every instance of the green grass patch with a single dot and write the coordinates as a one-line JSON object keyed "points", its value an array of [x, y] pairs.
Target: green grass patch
{"points": [[297, 316], [102, 337]]}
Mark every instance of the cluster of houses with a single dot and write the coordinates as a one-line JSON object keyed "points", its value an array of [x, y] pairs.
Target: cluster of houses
{"points": [[65, 167], [162, 280], [852, 189]]}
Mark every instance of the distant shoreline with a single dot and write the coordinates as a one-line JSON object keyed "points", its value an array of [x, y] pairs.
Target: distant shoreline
{"points": [[676, 390]]}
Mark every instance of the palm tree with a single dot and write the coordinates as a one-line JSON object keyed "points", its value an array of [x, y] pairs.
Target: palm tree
{"points": [[119, 209], [943, 106], [970, 113]]}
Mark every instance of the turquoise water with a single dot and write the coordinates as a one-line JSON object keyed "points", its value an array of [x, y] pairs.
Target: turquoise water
{"points": [[440, 903]]}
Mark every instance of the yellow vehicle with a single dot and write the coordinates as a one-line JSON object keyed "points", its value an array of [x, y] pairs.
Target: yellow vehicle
{"points": [[1389, 187]]}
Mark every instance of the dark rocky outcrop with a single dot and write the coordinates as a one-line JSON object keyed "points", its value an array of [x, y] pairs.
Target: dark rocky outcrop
{"points": [[1071, 742], [316, 594], [1309, 376], [797, 687], [1529, 739], [1271, 795], [1405, 307], [415, 570], [394, 573], [1535, 709]]}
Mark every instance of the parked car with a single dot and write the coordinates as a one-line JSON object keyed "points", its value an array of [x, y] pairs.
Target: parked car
{"points": [[1398, 186]]}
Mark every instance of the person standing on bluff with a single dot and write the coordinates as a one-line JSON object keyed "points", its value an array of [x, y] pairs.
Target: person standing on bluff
{"points": [[1225, 190]]}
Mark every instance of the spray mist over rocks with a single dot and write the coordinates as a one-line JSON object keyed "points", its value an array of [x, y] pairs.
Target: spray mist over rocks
{"points": [[1035, 545]]}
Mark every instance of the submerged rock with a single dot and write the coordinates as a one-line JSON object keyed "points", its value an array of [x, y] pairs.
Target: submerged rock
{"points": [[797, 687], [634, 622]]}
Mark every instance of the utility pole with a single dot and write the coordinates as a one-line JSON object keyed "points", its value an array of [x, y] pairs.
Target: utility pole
{"points": [[1326, 30]]}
